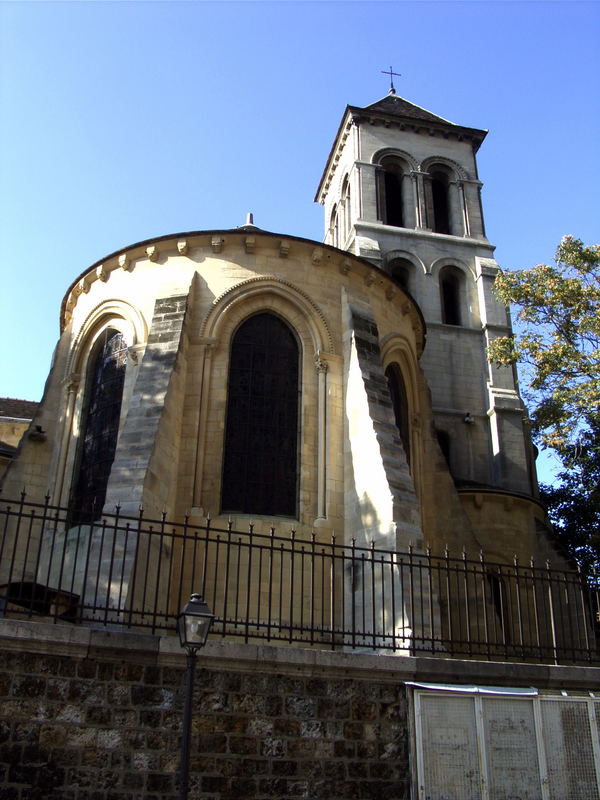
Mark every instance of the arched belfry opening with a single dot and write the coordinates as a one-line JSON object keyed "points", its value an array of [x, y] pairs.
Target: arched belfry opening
{"points": [[260, 461], [440, 202], [100, 426], [451, 287], [401, 269], [391, 192]]}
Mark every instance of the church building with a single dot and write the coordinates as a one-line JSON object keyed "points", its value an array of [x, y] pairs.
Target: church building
{"points": [[340, 387], [310, 434]]}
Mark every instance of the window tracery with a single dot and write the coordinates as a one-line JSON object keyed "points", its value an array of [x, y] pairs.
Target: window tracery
{"points": [[261, 435], [100, 426]]}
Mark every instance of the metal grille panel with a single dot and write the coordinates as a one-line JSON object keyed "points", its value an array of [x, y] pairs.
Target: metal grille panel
{"points": [[569, 751], [450, 761], [510, 742]]}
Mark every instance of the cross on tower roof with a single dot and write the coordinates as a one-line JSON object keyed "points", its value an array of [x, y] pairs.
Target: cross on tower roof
{"points": [[390, 72]]}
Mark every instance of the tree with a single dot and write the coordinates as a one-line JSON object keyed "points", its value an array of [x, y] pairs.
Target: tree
{"points": [[557, 347], [574, 503]]}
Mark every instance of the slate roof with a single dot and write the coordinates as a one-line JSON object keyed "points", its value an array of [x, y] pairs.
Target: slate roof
{"points": [[395, 106], [17, 409]]}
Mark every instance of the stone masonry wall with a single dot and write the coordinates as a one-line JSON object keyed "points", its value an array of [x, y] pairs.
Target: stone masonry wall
{"points": [[95, 714], [105, 725]]}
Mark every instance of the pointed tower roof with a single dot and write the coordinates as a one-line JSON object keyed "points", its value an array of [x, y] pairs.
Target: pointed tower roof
{"points": [[393, 110], [396, 106]]}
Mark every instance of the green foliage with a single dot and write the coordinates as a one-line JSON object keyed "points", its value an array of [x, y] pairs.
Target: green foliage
{"points": [[557, 347], [574, 504], [558, 340]]}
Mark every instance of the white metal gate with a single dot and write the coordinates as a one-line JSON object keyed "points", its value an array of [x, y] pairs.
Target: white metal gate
{"points": [[485, 743]]}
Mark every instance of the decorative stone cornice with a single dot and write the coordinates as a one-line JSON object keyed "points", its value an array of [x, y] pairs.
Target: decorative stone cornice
{"points": [[217, 243], [345, 266], [317, 256], [182, 247], [284, 248], [250, 244], [152, 252], [102, 273]]}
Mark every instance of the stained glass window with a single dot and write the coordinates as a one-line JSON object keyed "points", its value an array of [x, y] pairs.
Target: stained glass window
{"points": [[260, 467], [100, 427]]}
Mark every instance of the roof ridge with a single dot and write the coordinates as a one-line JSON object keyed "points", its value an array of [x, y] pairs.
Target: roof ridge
{"points": [[392, 99]]}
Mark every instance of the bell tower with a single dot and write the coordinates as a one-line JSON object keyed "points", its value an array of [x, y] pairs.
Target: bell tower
{"points": [[401, 189]]}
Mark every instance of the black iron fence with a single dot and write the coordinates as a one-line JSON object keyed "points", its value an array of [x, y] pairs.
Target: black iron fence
{"points": [[134, 572]]}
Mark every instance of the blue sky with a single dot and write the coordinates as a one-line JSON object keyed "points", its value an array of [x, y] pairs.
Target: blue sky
{"points": [[121, 121]]}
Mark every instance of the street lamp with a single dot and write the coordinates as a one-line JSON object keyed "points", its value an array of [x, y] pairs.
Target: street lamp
{"points": [[193, 624]]}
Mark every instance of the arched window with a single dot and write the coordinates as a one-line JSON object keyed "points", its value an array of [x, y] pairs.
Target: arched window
{"points": [[345, 211], [401, 270], [397, 389], [100, 426], [333, 227], [441, 206], [451, 280], [391, 200], [260, 470]]}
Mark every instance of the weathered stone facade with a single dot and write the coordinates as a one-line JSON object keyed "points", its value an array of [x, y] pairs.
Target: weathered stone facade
{"points": [[96, 715], [103, 722]]}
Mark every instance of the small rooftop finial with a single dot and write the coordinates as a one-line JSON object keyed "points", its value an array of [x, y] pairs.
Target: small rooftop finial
{"points": [[390, 73], [249, 218]]}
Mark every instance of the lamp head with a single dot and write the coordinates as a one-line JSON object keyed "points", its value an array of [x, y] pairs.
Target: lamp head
{"points": [[193, 623]]}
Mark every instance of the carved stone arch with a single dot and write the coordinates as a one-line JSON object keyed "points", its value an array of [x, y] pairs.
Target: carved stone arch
{"points": [[396, 351], [394, 188], [445, 261], [264, 293], [110, 313], [397, 348], [457, 169], [456, 282], [403, 267], [400, 154]]}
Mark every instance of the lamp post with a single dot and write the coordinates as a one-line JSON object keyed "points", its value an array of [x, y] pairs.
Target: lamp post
{"points": [[193, 624]]}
